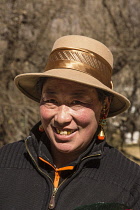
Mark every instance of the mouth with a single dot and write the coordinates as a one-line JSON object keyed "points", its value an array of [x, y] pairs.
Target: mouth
{"points": [[64, 132]]}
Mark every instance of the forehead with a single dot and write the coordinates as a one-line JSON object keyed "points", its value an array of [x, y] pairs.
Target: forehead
{"points": [[67, 86]]}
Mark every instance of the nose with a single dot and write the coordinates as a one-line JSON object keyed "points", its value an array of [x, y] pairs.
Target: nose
{"points": [[63, 115]]}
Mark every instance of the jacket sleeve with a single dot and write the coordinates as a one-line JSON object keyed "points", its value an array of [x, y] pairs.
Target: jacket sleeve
{"points": [[135, 195]]}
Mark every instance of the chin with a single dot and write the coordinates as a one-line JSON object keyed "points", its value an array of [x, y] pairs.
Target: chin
{"points": [[64, 150]]}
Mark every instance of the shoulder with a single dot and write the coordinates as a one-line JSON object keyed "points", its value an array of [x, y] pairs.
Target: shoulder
{"points": [[126, 171], [113, 154], [12, 147], [13, 155]]}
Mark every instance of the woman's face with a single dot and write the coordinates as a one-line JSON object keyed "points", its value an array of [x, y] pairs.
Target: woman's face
{"points": [[70, 113]]}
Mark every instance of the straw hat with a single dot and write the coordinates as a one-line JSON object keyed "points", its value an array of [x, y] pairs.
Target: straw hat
{"points": [[79, 59]]}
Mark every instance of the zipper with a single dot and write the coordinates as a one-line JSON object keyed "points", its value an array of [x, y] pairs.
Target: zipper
{"points": [[96, 155], [52, 200]]}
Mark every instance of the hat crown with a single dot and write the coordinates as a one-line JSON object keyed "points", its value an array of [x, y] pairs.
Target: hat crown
{"points": [[80, 59], [82, 42]]}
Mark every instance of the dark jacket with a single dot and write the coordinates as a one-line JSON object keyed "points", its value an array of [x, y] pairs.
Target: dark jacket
{"points": [[101, 174]]}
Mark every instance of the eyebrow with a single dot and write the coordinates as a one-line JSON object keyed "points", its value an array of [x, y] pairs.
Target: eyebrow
{"points": [[78, 93]]}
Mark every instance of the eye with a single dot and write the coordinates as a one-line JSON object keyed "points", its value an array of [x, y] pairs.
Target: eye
{"points": [[49, 101], [52, 101], [76, 102]]}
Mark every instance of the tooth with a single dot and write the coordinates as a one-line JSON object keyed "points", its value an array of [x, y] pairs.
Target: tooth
{"points": [[69, 132], [57, 130], [63, 132]]}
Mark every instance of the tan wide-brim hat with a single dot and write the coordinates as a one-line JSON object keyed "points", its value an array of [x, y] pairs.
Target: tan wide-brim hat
{"points": [[79, 59]]}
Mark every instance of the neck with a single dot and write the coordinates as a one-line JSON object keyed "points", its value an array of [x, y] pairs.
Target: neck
{"points": [[63, 159]]}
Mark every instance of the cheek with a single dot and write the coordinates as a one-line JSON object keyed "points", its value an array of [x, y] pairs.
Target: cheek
{"points": [[42, 112], [86, 117], [45, 114]]}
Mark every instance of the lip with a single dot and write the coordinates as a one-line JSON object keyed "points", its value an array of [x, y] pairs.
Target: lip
{"points": [[64, 137]]}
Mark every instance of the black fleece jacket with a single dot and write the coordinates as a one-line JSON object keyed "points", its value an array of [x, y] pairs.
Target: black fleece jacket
{"points": [[100, 174]]}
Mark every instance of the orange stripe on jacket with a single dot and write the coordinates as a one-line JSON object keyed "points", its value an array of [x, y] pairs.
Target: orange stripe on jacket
{"points": [[57, 171]]}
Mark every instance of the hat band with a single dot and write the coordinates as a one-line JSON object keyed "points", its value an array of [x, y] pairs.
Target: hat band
{"points": [[81, 60]]}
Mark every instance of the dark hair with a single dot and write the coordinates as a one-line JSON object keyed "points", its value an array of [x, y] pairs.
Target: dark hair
{"points": [[102, 94], [40, 83]]}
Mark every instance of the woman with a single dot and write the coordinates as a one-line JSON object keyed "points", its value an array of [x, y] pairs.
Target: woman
{"points": [[65, 162]]}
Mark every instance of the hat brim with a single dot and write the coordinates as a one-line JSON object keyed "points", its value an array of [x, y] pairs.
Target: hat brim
{"points": [[26, 83]]}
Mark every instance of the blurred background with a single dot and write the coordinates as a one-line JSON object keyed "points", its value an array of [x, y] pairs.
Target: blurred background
{"points": [[28, 30]]}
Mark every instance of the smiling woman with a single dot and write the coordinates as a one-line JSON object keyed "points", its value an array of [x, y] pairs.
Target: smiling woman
{"points": [[70, 118], [65, 162]]}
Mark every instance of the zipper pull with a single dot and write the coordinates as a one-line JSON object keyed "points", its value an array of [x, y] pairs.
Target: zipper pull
{"points": [[52, 200]]}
